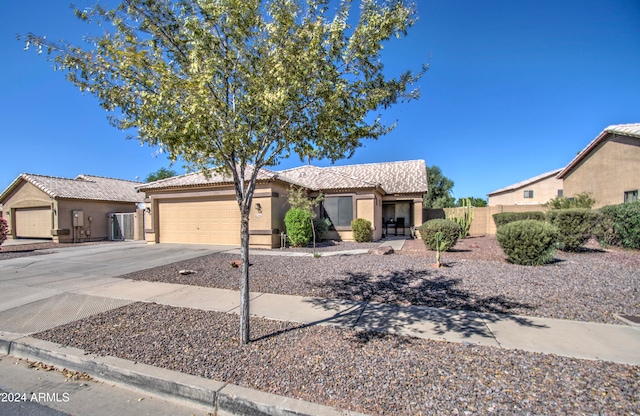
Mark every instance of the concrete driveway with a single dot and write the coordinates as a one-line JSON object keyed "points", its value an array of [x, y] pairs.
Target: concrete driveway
{"points": [[44, 291]]}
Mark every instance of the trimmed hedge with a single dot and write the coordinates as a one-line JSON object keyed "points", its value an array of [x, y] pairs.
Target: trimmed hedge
{"points": [[575, 226], [507, 217], [361, 230], [528, 242], [449, 229], [621, 225], [298, 223]]}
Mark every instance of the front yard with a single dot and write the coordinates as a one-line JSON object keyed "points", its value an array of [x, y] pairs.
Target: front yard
{"points": [[588, 286], [386, 374]]}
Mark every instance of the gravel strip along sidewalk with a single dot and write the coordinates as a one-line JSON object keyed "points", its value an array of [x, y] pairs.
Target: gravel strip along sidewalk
{"points": [[360, 371], [587, 286]]}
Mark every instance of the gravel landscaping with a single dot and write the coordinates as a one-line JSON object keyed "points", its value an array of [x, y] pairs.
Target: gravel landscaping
{"points": [[587, 286], [384, 374], [360, 371]]}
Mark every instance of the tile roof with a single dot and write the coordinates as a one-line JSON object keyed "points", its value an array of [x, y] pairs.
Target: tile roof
{"points": [[317, 178], [630, 130], [87, 187], [198, 179], [525, 182], [391, 177]]}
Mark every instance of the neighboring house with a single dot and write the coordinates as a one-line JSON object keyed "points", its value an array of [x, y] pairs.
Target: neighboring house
{"points": [[66, 210], [534, 191], [194, 209], [608, 168]]}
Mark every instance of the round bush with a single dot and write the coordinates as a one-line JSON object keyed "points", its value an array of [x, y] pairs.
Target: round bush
{"points": [[528, 242], [450, 232], [361, 230], [298, 223], [575, 226]]}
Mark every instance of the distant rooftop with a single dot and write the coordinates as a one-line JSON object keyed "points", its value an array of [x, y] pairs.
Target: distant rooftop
{"points": [[88, 187]]}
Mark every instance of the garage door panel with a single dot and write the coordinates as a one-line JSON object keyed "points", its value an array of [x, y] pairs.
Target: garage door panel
{"points": [[33, 222], [199, 222]]}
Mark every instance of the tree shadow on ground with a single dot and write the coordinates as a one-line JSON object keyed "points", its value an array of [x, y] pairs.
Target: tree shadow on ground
{"points": [[411, 301]]}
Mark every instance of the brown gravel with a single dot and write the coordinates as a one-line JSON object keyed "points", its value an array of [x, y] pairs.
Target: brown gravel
{"points": [[588, 286], [386, 374], [366, 372]]}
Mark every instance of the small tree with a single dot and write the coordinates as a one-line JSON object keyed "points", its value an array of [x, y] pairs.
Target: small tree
{"points": [[299, 198], [236, 85]]}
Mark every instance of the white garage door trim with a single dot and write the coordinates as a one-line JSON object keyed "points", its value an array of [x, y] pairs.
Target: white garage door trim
{"points": [[199, 221], [33, 222]]}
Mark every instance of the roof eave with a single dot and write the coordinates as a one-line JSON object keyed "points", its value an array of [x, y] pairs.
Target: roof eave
{"points": [[576, 160]]}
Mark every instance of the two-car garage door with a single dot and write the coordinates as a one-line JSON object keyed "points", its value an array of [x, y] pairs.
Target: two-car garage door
{"points": [[33, 222], [199, 222]]}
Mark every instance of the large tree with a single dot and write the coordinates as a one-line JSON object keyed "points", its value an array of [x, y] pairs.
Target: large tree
{"points": [[162, 173], [237, 85], [439, 189]]}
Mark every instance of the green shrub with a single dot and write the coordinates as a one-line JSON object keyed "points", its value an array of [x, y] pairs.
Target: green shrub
{"points": [[361, 230], [4, 230], [507, 217], [528, 242], [575, 226], [298, 223], [621, 225], [581, 200], [449, 229]]}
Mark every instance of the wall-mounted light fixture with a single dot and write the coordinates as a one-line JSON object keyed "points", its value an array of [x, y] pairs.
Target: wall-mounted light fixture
{"points": [[258, 207], [147, 210]]}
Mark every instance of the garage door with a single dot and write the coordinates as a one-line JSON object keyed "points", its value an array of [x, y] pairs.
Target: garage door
{"points": [[199, 222], [33, 222]]}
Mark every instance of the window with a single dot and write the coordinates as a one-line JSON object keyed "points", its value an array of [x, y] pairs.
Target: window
{"points": [[560, 192], [631, 196], [339, 210], [528, 194]]}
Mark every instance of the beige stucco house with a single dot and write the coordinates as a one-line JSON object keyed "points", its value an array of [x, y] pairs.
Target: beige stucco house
{"points": [[67, 210], [608, 168], [534, 191], [194, 209]]}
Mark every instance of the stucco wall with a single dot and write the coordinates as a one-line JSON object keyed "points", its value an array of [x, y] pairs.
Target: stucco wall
{"points": [[96, 222], [607, 172], [543, 191], [25, 195]]}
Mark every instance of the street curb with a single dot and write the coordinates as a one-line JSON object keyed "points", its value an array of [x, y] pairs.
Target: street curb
{"points": [[214, 396]]}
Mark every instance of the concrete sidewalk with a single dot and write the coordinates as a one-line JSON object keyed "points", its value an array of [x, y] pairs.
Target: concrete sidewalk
{"points": [[42, 292]]}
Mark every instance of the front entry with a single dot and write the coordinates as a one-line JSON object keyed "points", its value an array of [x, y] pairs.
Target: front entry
{"points": [[396, 218]]}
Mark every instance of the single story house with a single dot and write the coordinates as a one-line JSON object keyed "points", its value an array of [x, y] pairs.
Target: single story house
{"points": [[67, 210], [192, 208], [534, 191], [608, 168]]}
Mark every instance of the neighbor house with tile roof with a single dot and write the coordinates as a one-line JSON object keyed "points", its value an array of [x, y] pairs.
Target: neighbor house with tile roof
{"points": [[533, 191], [608, 168], [67, 210], [194, 208]]}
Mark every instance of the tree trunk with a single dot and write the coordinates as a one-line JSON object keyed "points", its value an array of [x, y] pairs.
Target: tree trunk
{"points": [[244, 281]]}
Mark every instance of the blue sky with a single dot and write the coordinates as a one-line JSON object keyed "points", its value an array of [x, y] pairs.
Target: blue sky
{"points": [[515, 88]]}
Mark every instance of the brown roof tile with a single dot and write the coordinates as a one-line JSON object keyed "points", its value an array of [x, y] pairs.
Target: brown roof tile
{"points": [[88, 187], [392, 177]]}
